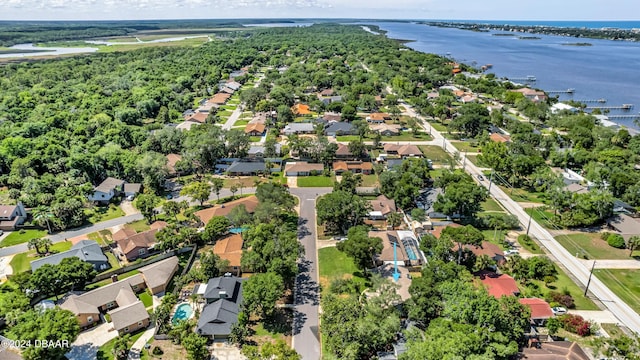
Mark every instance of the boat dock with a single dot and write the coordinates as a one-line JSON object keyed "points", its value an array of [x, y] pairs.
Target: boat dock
{"points": [[529, 78], [601, 101], [621, 107], [568, 91], [624, 116]]}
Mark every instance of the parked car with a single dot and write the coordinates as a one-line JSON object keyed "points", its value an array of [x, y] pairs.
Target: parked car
{"points": [[511, 252], [480, 177], [559, 310]]}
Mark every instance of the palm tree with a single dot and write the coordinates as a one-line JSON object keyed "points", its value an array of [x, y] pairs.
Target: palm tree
{"points": [[394, 219], [633, 244], [45, 243], [41, 215], [35, 244], [240, 186]]}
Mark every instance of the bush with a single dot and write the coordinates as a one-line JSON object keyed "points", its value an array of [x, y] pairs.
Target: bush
{"points": [[576, 324], [527, 241], [157, 351], [617, 241], [344, 286], [565, 300], [605, 235]]}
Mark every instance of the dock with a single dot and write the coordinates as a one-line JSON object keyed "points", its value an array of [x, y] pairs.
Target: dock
{"points": [[568, 91], [621, 107], [601, 101], [624, 116], [529, 78]]}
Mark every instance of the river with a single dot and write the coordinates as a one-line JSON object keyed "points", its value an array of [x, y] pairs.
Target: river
{"points": [[607, 69]]}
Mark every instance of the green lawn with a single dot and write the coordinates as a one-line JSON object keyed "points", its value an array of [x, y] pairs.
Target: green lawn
{"points": [[139, 226], [241, 123], [624, 283], [407, 136], [105, 352], [104, 213], [523, 195], [564, 282], [21, 236], [345, 138], [334, 264], [473, 158], [435, 153], [146, 299], [255, 138], [438, 126], [112, 261], [591, 246], [21, 262], [533, 247], [543, 217], [496, 237], [465, 146], [369, 180], [492, 205], [315, 181]]}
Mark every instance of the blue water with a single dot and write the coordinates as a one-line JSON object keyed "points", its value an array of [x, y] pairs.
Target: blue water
{"points": [[238, 230], [576, 24], [183, 312], [411, 254], [608, 69]]}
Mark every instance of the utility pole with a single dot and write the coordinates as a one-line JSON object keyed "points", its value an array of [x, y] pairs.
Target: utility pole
{"points": [[529, 224], [464, 160], [490, 181], [590, 275]]}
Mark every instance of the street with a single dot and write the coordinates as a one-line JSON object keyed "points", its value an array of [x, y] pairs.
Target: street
{"points": [[306, 339], [574, 266]]}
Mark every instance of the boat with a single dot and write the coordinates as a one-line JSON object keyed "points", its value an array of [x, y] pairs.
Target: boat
{"points": [[602, 100], [531, 78], [489, 66], [571, 90], [627, 106]]}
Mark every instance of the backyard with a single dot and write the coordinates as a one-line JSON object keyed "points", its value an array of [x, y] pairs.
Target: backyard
{"points": [[334, 264], [369, 180], [21, 262], [21, 236]]}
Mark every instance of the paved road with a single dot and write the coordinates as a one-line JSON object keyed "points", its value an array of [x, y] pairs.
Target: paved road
{"points": [[223, 193], [307, 293], [58, 237], [574, 266]]}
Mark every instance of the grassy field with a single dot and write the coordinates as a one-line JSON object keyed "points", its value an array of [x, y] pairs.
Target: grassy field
{"points": [[408, 136], [21, 262], [465, 146], [564, 282], [112, 261], [345, 138], [491, 205], [241, 123], [522, 195], [21, 236], [103, 213], [316, 181], [435, 154], [334, 264], [624, 283], [370, 180], [543, 217], [146, 299], [247, 181], [495, 237], [591, 246], [139, 226], [438, 126]]}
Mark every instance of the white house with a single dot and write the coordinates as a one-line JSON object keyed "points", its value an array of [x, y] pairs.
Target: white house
{"points": [[109, 188]]}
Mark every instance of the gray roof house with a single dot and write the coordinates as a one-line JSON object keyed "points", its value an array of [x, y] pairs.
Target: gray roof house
{"points": [[246, 168], [223, 296], [86, 250], [11, 216], [107, 189], [259, 150], [340, 128], [299, 128]]}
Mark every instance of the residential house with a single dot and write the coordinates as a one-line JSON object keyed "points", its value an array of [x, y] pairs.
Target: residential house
{"points": [[557, 107], [625, 225], [250, 203], [381, 207], [343, 152], [301, 109], [229, 248], [141, 244], [403, 151], [255, 129], [299, 128], [172, 160], [258, 151], [107, 190], [246, 168], [604, 121], [233, 84], [118, 295], [340, 128], [540, 310], [198, 117], [620, 206], [219, 98], [158, 275], [331, 117], [378, 118], [576, 188], [131, 190], [85, 250], [533, 95], [11, 216], [326, 92], [406, 253], [227, 90], [302, 168], [130, 318], [386, 129], [555, 350], [499, 285], [224, 298], [497, 137], [356, 167], [489, 249]]}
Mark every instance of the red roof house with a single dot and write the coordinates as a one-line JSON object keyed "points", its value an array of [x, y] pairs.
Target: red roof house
{"points": [[499, 285]]}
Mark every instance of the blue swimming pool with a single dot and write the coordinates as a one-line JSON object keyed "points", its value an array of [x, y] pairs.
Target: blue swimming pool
{"points": [[183, 312], [238, 230]]}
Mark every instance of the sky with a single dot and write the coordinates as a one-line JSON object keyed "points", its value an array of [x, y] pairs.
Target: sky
{"points": [[372, 9]]}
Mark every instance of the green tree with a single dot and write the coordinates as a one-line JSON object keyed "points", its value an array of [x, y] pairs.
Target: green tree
{"points": [[217, 227], [633, 243], [272, 248], [41, 216], [239, 216], [51, 325], [464, 235], [261, 292], [196, 346], [271, 351], [340, 210], [348, 183], [394, 219], [173, 208], [461, 198], [216, 186], [147, 203], [472, 119], [211, 265], [197, 191], [121, 347], [357, 148], [418, 214], [361, 247]]}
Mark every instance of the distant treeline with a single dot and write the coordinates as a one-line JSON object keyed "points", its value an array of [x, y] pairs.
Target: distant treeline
{"points": [[19, 32], [604, 33]]}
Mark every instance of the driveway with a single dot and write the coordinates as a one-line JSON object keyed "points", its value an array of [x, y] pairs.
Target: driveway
{"points": [[599, 316], [89, 341], [224, 351], [5, 268], [306, 340]]}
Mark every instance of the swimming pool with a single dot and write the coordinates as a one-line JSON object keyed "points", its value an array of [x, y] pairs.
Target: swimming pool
{"points": [[238, 230], [183, 312]]}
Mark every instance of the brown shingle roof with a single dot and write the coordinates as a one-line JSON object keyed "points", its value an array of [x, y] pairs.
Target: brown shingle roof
{"points": [[388, 238], [128, 315], [199, 117], [172, 159], [144, 239], [343, 150], [403, 150], [379, 116], [500, 138], [102, 295], [301, 109], [229, 248], [250, 203], [123, 234], [257, 126], [383, 204], [302, 166], [160, 273], [219, 98], [351, 165], [556, 350]]}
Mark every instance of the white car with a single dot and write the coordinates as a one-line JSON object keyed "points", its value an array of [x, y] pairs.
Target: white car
{"points": [[511, 252], [559, 310]]}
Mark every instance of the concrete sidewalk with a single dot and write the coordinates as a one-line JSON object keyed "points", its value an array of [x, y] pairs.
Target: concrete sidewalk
{"points": [[613, 264], [134, 353]]}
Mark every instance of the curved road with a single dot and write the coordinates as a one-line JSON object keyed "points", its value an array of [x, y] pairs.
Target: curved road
{"points": [[625, 314]]}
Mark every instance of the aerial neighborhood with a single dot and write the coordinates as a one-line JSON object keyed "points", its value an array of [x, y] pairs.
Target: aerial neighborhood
{"points": [[341, 196]]}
